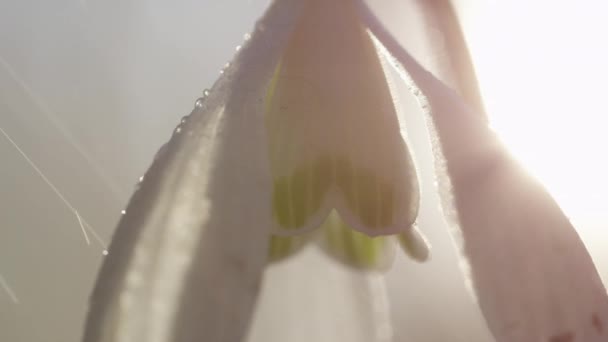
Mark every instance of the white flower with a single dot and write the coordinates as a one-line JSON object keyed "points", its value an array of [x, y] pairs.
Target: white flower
{"points": [[303, 126]]}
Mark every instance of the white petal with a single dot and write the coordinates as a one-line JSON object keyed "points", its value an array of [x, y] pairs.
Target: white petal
{"points": [[534, 279], [415, 244], [186, 260], [312, 298], [333, 131]]}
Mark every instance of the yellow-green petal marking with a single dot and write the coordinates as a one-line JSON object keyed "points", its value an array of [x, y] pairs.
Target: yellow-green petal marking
{"points": [[281, 247], [353, 248]]}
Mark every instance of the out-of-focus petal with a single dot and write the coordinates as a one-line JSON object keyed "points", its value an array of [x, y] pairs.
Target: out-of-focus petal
{"points": [[310, 297], [186, 260], [532, 275]]}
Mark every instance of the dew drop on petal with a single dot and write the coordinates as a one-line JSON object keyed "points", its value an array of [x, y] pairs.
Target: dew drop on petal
{"points": [[226, 66], [104, 252], [139, 181]]}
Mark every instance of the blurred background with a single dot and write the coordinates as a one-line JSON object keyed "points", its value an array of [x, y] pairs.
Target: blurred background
{"points": [[89, 90]]}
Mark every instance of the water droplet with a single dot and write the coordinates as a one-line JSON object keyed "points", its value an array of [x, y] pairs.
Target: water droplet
{"points": [[141, 179], [122, 212], [246, 36], [178, 130], [104, 252], [238, 47], [185, 118], [200, 101], [226, 66]]}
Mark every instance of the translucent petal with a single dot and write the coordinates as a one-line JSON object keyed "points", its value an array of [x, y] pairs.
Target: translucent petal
{"points": [[356, 249], [334, 137], [186, 260], [281, 247], [307, 298], [534, 279]]}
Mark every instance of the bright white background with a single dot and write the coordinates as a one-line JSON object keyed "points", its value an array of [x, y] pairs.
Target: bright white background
{"points": [[90, 89]]}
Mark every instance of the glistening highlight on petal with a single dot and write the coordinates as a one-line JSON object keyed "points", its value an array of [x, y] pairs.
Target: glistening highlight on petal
{"points": [[534, 279]]}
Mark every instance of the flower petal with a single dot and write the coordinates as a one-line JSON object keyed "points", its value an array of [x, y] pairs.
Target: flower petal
{"points": [[186, 260], [356, 249], [334, 136], [281, 247], [415, 244], [307, 298], [534, 279]]}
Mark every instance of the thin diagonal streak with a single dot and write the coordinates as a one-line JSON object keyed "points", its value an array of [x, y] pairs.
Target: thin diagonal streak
{"points": [[114, 189], [84, 231], [83, 223], [8, 290]]}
